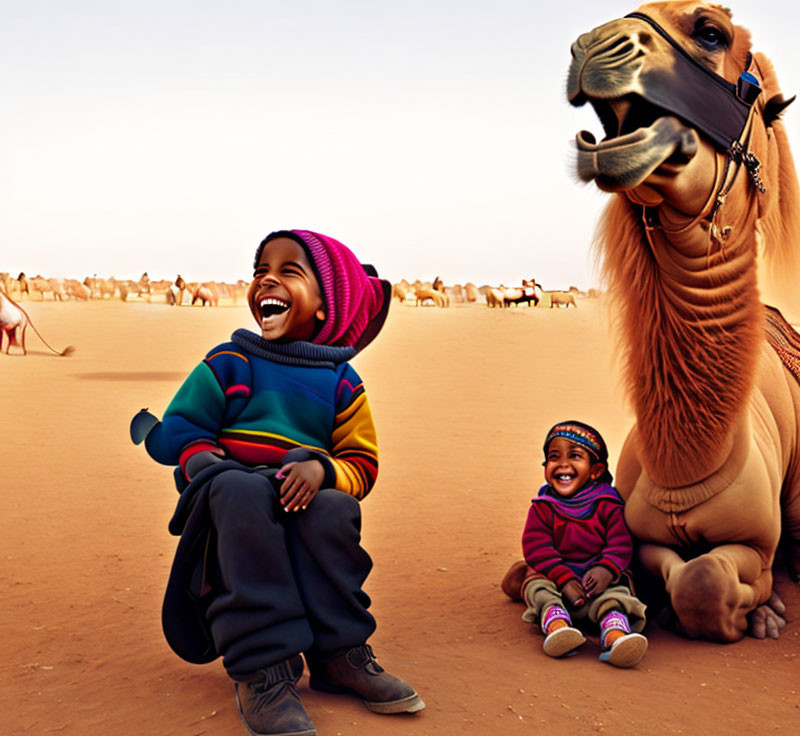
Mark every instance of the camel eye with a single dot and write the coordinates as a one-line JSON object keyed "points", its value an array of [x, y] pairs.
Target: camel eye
{"points": [[710, 37]]}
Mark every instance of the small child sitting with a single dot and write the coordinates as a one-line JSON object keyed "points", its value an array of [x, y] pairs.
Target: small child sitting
{"points": [[275, 445], [577, 550]]}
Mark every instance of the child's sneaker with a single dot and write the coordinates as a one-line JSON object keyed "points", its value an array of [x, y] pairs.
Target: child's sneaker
{"points": [[561, 637], [620, 647], [562, 641], [627, 651]]}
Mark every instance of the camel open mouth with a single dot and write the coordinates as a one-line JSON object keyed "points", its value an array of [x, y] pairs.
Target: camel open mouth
{"points": [[625, 115], [640, 138]]}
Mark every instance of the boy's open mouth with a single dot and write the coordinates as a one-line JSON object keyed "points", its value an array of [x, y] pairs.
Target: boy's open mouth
{"points": [[272, 307]]}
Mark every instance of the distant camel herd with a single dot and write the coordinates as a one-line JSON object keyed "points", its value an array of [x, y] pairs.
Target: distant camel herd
{"points": [[530, 294], [177, 292], [14, 320]]}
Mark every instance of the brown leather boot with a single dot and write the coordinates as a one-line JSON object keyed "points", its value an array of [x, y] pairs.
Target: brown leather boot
{"points": [[269, 704], [511, 584], [357, 672]]}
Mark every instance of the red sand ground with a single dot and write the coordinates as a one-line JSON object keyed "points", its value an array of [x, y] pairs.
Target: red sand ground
{"points": [[462, 398]]}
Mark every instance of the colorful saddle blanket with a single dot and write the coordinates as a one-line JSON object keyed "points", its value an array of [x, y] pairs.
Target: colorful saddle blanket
{"points": [[784, 339]]}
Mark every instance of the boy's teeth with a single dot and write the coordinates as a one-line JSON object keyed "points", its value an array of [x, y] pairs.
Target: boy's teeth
{"points": [[270, 307]]}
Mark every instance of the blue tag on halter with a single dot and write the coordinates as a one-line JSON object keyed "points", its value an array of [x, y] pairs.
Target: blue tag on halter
{"points": [[748, 88]]}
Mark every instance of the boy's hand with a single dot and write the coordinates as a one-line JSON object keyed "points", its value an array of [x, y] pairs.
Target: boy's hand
{"points": [[596, 580], [200, 461], [573, 592], [302, 481]]}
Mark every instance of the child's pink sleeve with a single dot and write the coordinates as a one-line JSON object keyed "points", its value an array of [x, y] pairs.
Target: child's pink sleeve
{"points": [[538, 548], [618, 551]]}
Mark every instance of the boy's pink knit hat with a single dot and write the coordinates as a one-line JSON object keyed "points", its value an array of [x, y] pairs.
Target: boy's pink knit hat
{"points": [[356, 301]]}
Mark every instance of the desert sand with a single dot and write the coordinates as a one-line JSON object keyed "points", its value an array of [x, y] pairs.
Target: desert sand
{"points": [[462, 399]]}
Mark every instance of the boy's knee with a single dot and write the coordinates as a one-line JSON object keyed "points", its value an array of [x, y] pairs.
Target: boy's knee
{"points": [[330, 510], [240, 490]]}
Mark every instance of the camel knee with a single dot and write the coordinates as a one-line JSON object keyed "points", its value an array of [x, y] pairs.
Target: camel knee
{"points": [[708, 599]]}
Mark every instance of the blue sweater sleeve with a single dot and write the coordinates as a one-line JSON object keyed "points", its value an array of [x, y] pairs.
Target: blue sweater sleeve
{"points": [[195, 413]]}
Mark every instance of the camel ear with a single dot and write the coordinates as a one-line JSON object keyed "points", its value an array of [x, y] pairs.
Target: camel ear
{"points": [[774, 106]]}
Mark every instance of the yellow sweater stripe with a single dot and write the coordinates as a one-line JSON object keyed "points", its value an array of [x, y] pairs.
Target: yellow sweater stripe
{"points": [[355, 448]]}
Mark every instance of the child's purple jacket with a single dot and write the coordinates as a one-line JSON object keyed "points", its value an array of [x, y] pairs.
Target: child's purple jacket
{"points": [[564, 537]]}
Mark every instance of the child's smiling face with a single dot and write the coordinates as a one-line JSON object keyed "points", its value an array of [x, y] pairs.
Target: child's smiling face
{"points": [[284, 295], [568, 466]]}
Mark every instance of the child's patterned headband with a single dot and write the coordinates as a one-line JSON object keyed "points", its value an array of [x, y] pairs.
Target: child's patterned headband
{"points": [[582, 434]]}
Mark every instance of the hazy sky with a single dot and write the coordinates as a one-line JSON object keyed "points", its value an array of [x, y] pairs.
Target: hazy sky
{"points": [[431, 136]]}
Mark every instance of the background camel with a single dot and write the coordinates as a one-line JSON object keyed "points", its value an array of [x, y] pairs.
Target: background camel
{"points": [[495, 297], [712, 465], [401, 290], [176, 290], [423, 294], [14, 320], [101, 288], [562, 298], [74, 289], [205, 293], [21, 286], [526, 295]]}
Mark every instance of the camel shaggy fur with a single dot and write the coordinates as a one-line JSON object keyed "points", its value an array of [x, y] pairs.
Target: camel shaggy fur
{"points": [[694, 231]]}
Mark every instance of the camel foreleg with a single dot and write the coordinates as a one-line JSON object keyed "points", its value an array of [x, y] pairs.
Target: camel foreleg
{"points": [[790, 512], [721, 595]]}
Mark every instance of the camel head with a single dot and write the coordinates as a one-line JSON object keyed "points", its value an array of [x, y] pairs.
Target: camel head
{"points": [[677, 89], [665, 84]]}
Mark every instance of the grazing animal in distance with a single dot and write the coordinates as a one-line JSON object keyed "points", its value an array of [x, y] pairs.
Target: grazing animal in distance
{"points": [[206, 294], [14, 320], [562, 298], [437, 297]]}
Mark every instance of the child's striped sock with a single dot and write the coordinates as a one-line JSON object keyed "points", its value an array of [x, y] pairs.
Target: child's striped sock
{"points": [[555, 618], [614, 625]]}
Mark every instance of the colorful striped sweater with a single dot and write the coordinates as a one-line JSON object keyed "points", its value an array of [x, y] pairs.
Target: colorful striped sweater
{"points": [[564, 537], [267, 404]]}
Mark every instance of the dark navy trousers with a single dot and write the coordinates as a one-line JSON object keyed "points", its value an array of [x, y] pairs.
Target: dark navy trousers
{"points": [[284, 583]]}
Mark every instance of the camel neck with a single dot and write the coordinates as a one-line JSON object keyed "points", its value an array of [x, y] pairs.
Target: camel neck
{"points": [[710, 283], [694, 327]]}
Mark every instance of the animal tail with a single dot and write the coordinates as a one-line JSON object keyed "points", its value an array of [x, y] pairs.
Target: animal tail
{"points": [[69, 350]]}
